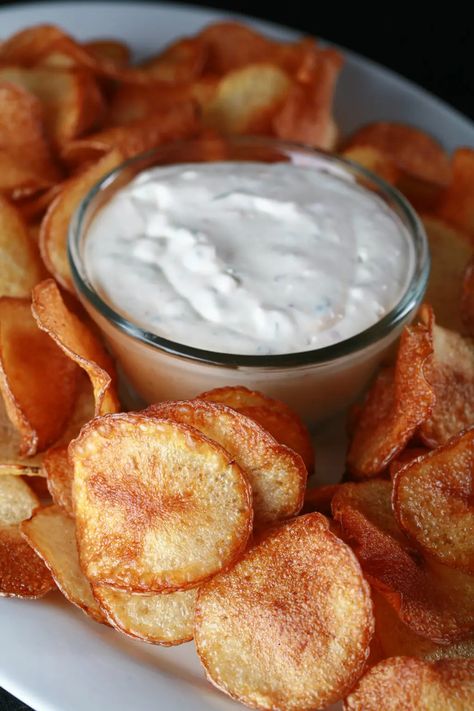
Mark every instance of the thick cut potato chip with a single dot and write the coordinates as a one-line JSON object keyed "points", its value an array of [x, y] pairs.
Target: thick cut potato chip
{"points": [[51, 534], [183, 61], [406, 684], [37, 381], [434, 601], [78, 342], [457, 203], [289, 627], [374, 160], [166, 618], [395, 406], [273, 415], [22, 573], [55, 224], [277, 474], [145, 493], [434, 504], [58, 471], [451, 251], [247, 99], [20, 264]]}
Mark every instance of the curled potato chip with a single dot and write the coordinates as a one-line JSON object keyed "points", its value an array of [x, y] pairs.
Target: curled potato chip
{"points": [[166, 618], [183, 61], [58, 471], [456, 204], [289, 626], [451, 250], [406, 683], [433, 502], [434, 601], [11, 462], [55, 224], [51, 534], [37, 381], [374, 160], [273, 415], [22, 573], [318, 498], [395, 406], [78, 342], [20, 264], [145, 493], [277, 475]]}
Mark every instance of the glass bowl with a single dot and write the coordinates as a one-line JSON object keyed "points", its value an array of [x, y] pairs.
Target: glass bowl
{"points": [[316, 383]]}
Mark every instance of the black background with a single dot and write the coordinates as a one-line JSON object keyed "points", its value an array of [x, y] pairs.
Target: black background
{"points": [[432, 47]]}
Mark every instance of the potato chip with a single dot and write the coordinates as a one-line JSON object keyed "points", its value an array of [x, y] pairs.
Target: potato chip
{"points": [[396, 405], [289, 626], [374, 160], [277, 475], [433, 502], [37, 381], [78, 342], [51, 534], [231, 45], [20, 264], [404, 458], [11, 462], [145, 493], [58, 471], [166, 618], [110, 50], [450, 251], [406, 683], [183, 61], [22, 573], [457, 203], [247, 99], [318, 498], [55, 224], [271, 414], [434, 601]]}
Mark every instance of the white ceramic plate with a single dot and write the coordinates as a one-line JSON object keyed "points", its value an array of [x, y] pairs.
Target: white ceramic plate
{"points": [[51, 655]]}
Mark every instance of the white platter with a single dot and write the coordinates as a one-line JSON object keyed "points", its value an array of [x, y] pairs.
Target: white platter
{"points": [[51, 656]]}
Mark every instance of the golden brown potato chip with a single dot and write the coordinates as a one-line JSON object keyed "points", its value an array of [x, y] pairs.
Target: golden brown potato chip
{"points": [[395, 407], [318, 498], [166, 618], [58, 471], [374, 160], [183, 61], [20, 264], [11, 462], [180, 121], [38, 382], [434, 505], [404, 458], [22, 573], [55, 224], [231, 45], [145, 493], [273, 415], [109, 49], [247, 99], [401, 683], [451, 251], [434, 601], [289, 626], [457, 203], [277, 474], [78, 342], [51, 534]]}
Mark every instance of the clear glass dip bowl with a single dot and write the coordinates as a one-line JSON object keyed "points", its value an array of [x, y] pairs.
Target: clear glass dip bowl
{"points": [[317, 383]]}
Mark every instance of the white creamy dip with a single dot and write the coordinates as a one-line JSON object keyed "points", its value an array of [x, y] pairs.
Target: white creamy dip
{"points": [[248, 257]]}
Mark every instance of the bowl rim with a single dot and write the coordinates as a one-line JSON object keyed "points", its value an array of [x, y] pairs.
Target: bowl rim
{"points": [[411, 297]]}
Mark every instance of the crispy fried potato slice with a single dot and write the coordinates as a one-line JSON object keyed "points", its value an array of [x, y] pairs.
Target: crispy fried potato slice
{"points": [[37, 381], [374, 160], [451, 251], [51, 534], [145, 493], [11, 462], [58, 471], [277, 475], [20, 264], [180, 121], [434, 504], [434, 601], [166, 619], [395, 407], [183, 61], [406, 683], [247, 99], [289, 627], [457, 203], [55, 224], [231, 45], [110, 50], [405, 458], [78, 342], [22, 573], [318, 498], [273, 415]]}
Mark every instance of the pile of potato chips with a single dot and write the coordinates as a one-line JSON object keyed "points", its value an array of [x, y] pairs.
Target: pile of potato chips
{"points": [[181, 521]]}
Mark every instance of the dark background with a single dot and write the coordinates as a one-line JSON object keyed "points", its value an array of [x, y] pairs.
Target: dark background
{"points": [[431, 47]]}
